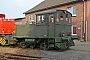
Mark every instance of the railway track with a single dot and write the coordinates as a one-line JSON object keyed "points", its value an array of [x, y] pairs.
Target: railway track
{"points": [[11, 56]]}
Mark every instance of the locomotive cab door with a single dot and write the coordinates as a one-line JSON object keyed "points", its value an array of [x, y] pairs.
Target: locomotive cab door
{"points": [[51, 29]]}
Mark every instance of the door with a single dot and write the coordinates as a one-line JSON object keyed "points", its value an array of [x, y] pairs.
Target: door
{"points": [[51, 25]]}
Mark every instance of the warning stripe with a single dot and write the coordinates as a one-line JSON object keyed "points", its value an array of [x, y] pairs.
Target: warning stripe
{"points": [[2, 41]]}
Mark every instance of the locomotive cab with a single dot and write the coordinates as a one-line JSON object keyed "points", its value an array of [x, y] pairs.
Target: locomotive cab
{"points": [[57, 23]]}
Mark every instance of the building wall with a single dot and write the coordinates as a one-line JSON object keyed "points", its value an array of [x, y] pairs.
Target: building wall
{"points": [[20, 21], [77, 20], [88, 18]]}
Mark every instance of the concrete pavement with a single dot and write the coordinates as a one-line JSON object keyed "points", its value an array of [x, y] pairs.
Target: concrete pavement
{"points": [[82, 46]]}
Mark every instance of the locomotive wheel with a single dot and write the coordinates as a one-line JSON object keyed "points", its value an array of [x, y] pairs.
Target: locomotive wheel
{"points": [[43, 46], [32, 46], [67, 45], [23, 45]]}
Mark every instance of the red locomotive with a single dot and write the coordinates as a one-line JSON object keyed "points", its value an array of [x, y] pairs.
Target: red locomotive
{"points": [[6, 26]]}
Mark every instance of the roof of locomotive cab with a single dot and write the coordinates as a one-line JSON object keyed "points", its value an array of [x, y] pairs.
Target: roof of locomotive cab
{"points": [[2, 15], [51, 11]]}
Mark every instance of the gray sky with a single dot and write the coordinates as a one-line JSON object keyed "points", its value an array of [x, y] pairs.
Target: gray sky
{"points": [[15, 8]]}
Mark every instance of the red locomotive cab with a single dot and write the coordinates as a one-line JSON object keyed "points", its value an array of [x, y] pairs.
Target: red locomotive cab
{"points": [[6, 25]]}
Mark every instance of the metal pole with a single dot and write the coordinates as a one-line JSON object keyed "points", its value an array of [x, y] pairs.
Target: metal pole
{"points": [[86, 31], [84, 18], [81, 29]]}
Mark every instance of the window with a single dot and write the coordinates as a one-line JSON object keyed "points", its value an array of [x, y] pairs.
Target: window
{"points": [[74, 30], [43, 18], [31, 18], [60, 16], [0, 17], [38, 19], [68, 18], [51, 18], [57, 18], [72, 10]]}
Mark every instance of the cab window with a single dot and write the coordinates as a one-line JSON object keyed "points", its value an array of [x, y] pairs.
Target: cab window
{"points": [[38, 19], [68, 19], [59, 16], [51, 18], [41, 19], [0, 17]]}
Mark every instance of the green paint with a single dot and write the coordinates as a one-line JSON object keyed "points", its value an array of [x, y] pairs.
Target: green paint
{"points": [[30, 40], [61, 45]]}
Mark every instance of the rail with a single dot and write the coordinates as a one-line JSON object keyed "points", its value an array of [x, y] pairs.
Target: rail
{"points": [[11, 56]]}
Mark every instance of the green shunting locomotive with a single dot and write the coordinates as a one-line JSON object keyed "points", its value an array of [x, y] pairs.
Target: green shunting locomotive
{"points": [[51, 30]]}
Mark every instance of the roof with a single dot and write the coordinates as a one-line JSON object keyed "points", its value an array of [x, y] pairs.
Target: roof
{"points": [[49, 4], [19, 18], [2, 15]]}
